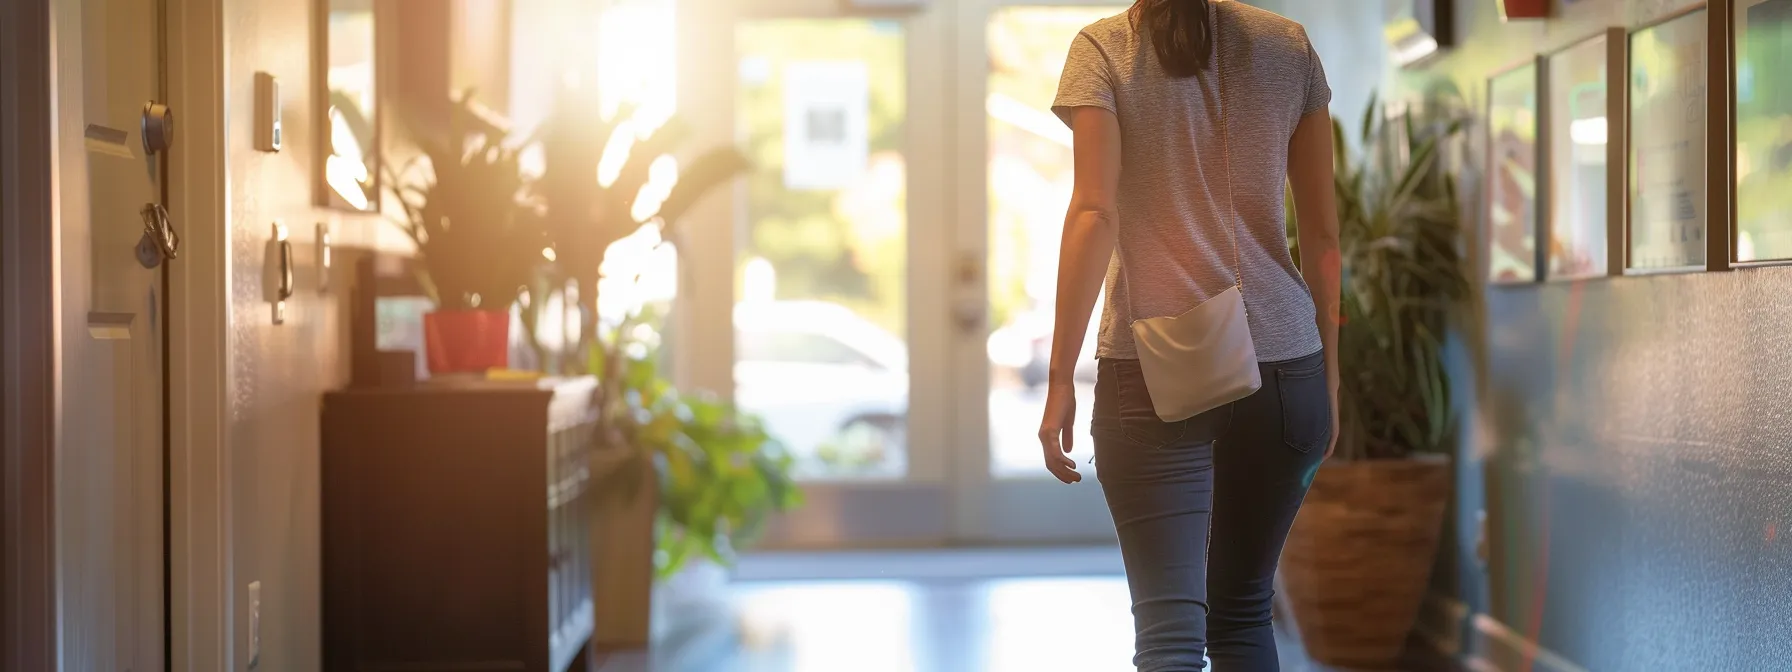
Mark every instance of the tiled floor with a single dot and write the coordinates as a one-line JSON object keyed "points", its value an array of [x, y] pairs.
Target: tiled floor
{"points": [[956, 611]]}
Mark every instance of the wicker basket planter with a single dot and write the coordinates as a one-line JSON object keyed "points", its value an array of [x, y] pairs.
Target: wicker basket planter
{"points": [[1359, 558]]}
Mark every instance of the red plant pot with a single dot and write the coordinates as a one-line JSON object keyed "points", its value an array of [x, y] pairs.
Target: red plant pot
{"points": [[466, 341], [1524, 9]]}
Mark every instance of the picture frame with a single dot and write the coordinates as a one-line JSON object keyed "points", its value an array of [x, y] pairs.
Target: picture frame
{"points": [[1514, 10], [1417, 29], [1583, 141], [1668, 207], [1512, 203], [1762, 146], [349, 105]]}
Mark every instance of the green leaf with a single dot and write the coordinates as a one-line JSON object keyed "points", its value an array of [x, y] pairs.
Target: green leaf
{"points": [[703, 175], [1370, 115], [643, 153]]}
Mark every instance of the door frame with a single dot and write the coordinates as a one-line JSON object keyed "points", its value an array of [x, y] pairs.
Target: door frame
{"points": [[201, 587], [915, 511], [199, 591], [28, 379]]}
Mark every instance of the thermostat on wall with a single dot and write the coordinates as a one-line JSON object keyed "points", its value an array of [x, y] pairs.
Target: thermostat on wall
{"points": [[267, 113]]}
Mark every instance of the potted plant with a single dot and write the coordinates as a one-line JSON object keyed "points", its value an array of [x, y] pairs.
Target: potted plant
{"points": [[1357, 562], [476, 240], [686, 476]]}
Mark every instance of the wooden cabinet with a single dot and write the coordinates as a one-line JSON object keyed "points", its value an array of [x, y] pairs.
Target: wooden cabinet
{"points": [[455, 528]]}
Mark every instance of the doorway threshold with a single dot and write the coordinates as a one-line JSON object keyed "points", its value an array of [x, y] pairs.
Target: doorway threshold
{"points": [[929, 564]]}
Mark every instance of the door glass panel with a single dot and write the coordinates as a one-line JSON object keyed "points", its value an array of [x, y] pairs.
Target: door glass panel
{"points": [[1029, 190], [820, 313]]}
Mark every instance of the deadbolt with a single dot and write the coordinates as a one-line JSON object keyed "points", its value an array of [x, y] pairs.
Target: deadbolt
{"points": [[158, 127]]}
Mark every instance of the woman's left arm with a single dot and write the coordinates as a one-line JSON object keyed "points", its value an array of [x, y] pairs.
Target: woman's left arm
{"points": [[1083, 255]]}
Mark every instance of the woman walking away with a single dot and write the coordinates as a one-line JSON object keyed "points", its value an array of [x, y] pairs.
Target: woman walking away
{"points": [[1217, 393]]}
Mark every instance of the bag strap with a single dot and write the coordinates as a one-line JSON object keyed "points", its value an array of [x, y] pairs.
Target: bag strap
{"points": [[1219, 73], [1225, 148]]}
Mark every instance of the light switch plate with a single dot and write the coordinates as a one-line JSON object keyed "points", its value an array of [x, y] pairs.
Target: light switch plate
{"points": [[267, 113], [254, 624], [323, 258]]}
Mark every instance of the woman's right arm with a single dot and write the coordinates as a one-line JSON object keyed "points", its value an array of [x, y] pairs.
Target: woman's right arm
{"points": [[1316, 213]]}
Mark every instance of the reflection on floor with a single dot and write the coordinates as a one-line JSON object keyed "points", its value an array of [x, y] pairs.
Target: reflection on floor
{"points": [[947, 611]]}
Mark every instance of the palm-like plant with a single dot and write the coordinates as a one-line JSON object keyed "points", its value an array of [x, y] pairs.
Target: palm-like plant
{"points": [[1405, 277], [717, 474], [478, 242], [584, 215]]}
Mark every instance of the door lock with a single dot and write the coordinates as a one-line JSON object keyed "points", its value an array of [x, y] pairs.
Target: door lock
{"points": [[158, 128]]}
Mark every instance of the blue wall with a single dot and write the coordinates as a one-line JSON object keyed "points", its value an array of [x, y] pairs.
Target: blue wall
{"points": [[1629, 439]]}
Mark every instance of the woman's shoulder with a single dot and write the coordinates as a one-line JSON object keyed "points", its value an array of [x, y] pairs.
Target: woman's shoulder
{"points": [[1112, 31], [1261, 22]]}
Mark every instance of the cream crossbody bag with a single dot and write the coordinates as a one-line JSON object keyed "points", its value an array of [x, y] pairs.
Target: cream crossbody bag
{"points": [[1203, 359]]}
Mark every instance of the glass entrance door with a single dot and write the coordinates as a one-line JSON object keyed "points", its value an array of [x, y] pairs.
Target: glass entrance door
{"points": [[831, 238], [890, 260], [1016, 159]]}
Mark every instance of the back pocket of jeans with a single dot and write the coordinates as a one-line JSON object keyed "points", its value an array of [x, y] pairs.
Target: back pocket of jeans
{"points": [[1306, 407], [1138, 415]]}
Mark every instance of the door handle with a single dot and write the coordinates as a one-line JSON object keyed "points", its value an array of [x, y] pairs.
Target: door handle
{"points": [[971, 308], [968, 313], [283, 281], [160, 240]]}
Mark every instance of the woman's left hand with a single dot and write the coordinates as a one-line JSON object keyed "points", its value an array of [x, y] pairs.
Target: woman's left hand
{"points": [[1056, 430]]}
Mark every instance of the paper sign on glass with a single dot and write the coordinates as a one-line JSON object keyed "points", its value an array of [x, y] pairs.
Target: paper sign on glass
{"points": [[827, 110]]}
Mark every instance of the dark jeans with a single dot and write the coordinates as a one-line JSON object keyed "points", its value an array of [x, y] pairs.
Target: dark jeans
{"points": [[1233, 476]]}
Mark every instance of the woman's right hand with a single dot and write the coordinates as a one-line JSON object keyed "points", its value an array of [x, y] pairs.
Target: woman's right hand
{"points": [[1056, 432]]}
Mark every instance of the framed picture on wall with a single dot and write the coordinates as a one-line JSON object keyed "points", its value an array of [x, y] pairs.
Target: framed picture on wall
{"points": [[1763, 131], [1512, 175], [1667, 145], [1581, 210]]}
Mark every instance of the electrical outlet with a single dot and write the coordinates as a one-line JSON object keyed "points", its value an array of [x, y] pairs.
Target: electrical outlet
{"points": [[254, 624], [1483, 545]]}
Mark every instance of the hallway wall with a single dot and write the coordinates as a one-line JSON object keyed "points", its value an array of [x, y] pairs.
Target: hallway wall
{"points": [[1630, 445], [279, 372]]}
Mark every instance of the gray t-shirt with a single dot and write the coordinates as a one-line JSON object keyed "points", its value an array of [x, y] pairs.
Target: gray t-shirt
{"points": [[1173, 250]]}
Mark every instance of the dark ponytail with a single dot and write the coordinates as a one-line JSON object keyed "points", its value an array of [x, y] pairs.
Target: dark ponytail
{"points": [[1180, 33]]}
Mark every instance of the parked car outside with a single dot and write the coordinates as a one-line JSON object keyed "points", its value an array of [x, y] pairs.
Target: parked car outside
{"points": [[1025, 345], [830, 385]]}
